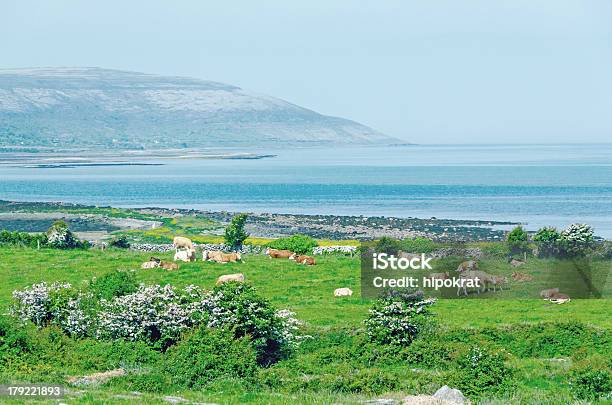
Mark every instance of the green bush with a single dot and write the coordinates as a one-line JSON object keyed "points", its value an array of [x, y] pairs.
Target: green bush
{"points": [[388, 245], [482, 371], [547, 240], [15, 339], [59, 236], [418, 245], [207, 355], [114, 284], [518, 240], [120, 242], [300, 244], [235, 234], [23, 239], [603, 250], [591, 379]]}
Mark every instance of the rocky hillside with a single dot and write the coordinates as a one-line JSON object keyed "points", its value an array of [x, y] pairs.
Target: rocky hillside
{"points": [[92, 107]]}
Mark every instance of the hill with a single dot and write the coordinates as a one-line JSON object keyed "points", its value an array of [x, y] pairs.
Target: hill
{"points": [[93, 107]]}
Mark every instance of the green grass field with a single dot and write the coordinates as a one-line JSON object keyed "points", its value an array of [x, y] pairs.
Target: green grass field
{"points": [[309, 292]]}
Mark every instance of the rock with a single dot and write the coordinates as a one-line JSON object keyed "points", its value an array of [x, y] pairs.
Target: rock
{"points": [[451, 395], [175, 400], [424, 400], [381, 401], [96, 378]]}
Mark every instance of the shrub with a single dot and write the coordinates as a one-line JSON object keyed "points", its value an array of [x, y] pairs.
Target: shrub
{"points": [[603, 250], [235, 234], [15, 339], [237, 306], [482, 371], [547, 240], [518, 240], [155, 315], [114, 284], [418, 245], [300, 244], [591, 379], [207, 355], [388, 245], [23, 239], [120, 242], [577, 240], [35, 303], [398, 319], [59, 236]]}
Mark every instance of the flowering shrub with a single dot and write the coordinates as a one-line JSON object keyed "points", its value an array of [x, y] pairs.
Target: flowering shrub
{"points": [[159, 315], [577, 240], [236, 305], [398, 318], [35, 303], [59, 236]]}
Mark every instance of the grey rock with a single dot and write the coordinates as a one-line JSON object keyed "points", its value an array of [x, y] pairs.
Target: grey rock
{"points": [[451, 395]]}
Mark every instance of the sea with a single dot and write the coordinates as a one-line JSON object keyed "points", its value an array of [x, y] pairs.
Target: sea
{"points": [[536, 185]]}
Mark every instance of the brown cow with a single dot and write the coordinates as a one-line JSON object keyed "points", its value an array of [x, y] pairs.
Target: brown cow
{"points": [[467, 266], [221, 257], [302, 259], [279, 254], [169, 266]]}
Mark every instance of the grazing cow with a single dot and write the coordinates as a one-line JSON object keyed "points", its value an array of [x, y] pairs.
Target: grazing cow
{"points": [[498, 281], [467, 266], [221, 257], [439, 276], [181, 242], [149, 265], [185, 255], [279, 254], [169, 266], [479, 278], [239, 277], [405, 255], [302, 259], [520, 277], [343, 292]]}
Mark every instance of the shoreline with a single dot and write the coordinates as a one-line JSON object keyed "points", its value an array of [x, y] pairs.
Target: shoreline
{"points": [[260, 225]]}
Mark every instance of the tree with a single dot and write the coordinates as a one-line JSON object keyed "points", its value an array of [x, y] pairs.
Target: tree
{"points": [[577, 240], [547, 239], [518, 241], [61, 237], [235, 234]]}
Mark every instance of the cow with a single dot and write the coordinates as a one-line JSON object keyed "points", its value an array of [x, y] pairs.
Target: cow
{"points": [[155, 259], [279, 254], [498, 281], [181, 242], [221, 257], [467, 266], [520, 277], [479, 279], [302, 259], [185, 255], [559, 298], [239, 277], [149, 265], [169, 266], [439, 276], [343, 292], [546, 294]]}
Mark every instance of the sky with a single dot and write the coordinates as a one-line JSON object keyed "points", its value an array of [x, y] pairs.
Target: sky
{"points": [[535, 71]]}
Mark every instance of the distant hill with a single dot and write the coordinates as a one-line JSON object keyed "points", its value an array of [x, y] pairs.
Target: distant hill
{"points": [[92, 107]]}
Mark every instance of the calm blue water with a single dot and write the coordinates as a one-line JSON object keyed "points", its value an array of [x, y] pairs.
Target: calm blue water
{"points": [[537, 185]]}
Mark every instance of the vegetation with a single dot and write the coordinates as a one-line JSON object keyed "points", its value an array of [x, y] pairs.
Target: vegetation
{"points": [[300, 244], [235, 235], [518, 241], [500, 350], [547, 240]]}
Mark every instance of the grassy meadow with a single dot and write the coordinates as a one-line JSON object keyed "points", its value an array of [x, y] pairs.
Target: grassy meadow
{"points": [[543, 340]]}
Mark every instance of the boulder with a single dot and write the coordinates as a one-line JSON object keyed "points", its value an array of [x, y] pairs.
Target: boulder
{"points": [[424, 400], [451, 395]]}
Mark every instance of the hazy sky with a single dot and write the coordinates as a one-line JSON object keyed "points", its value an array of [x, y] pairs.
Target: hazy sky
{"points": [[426, 71]]}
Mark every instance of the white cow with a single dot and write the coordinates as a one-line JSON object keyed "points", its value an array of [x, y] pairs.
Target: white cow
{"points": [[181, 242], [185, 256]]}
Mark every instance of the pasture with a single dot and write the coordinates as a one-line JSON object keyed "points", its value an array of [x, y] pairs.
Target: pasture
{"points": [[333, 322]]}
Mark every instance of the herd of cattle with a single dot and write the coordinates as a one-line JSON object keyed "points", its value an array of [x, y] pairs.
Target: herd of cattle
{"points": [[185, 251]]}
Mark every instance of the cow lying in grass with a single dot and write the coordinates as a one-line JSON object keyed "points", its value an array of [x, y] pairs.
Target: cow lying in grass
{"points": [[185, 256], [221, 257], [226, 278], [302, 259], [279, 254]]}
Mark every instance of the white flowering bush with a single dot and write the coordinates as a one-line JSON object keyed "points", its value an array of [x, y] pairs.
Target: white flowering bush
{"points": [[577, 240], [35, 303], [398, 319], [159, 315]]}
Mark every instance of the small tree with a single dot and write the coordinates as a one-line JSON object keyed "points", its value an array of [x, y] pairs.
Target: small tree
{"points": [[235, 234], [60, 236], [518, 241], [577, 240], [547, 239]]}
